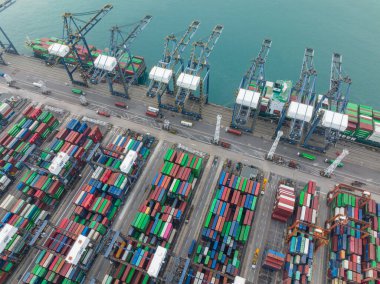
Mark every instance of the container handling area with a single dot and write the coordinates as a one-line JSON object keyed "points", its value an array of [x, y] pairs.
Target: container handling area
{"points": [[106, 180]]}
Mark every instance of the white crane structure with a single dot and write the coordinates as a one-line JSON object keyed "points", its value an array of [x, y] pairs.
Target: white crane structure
{"points": [[328, 171], [217, 129], [274, 145]]}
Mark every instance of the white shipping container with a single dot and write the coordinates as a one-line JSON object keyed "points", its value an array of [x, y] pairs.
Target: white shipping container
{"points": [[314, 217], [308, 200], [341, 211], [345, 264], [306, 248], [303, 212]]}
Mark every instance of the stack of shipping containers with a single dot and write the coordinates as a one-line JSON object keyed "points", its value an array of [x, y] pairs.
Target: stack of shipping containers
{"points": [[299, 259], [226, 229], [6, 114], [76, 140], [97, 202], [159, 216], [18, 222], [32, 129], [354, 248]]}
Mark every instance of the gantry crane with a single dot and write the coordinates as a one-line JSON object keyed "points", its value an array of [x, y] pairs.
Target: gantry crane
{"points": [[166, 70], [320, 234], [342, 220], [330, 169], [6, 45], [196, 76], [364, 196], [250, 92], [73, 33], [109, 65], [332, 118], [300, 105]]}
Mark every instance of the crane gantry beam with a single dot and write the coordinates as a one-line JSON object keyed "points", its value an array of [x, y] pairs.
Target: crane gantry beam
{"points": [[73, 33], [303, 98], [109, 65], [164, 73], [248, 101], [337, 99], [196, 75]]}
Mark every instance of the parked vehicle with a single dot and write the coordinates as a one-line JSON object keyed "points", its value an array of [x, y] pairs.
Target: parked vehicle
{"points": [[225, 144], [255, 258], [121, 104], [233, 131], [103, 113], [186, 123], [78, 92], [307, 156]]}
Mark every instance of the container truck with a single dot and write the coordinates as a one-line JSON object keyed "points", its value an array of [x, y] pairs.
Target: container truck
{"points": [[225, 144], [186, 123], [233, 131], [191, 248], [103, 113], [78, 92], [152, 111], [121, 105], [306, 156]]}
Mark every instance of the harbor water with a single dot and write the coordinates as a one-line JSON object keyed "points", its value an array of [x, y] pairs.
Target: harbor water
{"points": [[348, 27]]}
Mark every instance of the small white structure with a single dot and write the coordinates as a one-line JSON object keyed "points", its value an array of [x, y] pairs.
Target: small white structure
{"points": [[128, 161], [105, 62], [160, 74], [58, 49], [157, 261], [239, 280], [188, 81], [6, 234], [58, 163], [300, 111], [77, 250], [335, 120], [248, 98]]}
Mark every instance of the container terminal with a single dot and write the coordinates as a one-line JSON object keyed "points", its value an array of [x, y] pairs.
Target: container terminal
{"points": [[105, 180]]}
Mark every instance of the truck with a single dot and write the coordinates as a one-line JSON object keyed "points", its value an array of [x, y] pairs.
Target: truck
{"points": [[225, 144], [83, 101], [78, 92], [191, 248], [103, 113], [121, 104], [9, 80], [255, 258], [186, 123], [233, 131], [152, 111], [265, 181], [307, 156], [330, 161]]}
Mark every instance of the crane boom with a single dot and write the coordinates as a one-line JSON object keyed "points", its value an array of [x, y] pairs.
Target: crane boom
{"points": [[69, 19], [274, 145]]}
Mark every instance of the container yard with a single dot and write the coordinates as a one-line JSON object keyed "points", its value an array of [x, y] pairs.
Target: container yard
{"points": [[92, 190], [226, 227], [77, 239], [159, 219]]}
